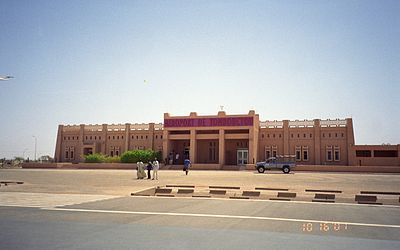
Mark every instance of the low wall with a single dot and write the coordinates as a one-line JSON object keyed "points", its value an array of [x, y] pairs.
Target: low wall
{"points": [[364, 169], [315, 168], [33, 165]]}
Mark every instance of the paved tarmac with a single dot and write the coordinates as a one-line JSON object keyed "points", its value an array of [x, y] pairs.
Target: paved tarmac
{"points": [[123, 182], [93, 209]]}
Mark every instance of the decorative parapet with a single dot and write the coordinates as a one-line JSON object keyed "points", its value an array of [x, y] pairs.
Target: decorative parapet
{"points": [[93, 127], [142, 126], [304, 123], [334, 123], [71, 128], [271, 124], [116, 127], [158, 126], [301, 124]]}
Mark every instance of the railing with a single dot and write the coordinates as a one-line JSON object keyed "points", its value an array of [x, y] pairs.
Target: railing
{"points": [[301, 124], [333, 123], [142, 126], [271, 124], [93, 127]]}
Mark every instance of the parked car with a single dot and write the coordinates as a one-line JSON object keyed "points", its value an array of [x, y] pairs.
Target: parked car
{"points": [[283, 162]]}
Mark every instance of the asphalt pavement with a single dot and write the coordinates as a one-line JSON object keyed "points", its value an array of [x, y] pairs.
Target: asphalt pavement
{"points": [[89, 210]]}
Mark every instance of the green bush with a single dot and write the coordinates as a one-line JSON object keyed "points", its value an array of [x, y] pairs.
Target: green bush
{"points": [[115, 159], [95, 158], [139, 155]]}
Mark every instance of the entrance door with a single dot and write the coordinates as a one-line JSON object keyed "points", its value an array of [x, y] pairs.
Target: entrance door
{"points": [[242, 156]]}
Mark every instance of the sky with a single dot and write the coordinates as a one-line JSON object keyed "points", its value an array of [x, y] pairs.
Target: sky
{"points": [[95, 62]]}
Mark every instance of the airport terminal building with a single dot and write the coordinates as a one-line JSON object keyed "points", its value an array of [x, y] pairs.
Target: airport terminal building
{"points": [[227, 140]]}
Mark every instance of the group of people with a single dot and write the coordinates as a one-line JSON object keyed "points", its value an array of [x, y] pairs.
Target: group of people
{"points": [[141, 174], [155, 166], [172, 158]]}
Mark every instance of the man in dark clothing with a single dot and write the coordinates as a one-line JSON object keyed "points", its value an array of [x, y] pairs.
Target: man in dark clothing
{"points": [[186, 165], [149, 167]]}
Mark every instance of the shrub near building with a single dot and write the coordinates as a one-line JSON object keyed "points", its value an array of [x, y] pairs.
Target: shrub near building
{"points": [[100, 158], [139, 155]]}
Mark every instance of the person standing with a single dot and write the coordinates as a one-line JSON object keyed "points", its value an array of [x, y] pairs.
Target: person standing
{"points": [[186, 165], [156, 167], [149, 167], [177, 158]]}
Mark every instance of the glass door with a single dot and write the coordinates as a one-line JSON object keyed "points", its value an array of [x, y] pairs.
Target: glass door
{"points": [[242, 156]]}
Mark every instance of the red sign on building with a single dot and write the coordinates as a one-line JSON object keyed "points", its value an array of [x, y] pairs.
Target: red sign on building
{"points": [[208, 122]]}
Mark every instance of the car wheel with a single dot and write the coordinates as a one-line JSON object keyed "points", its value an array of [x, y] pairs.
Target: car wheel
{"points": [[286, 169], [261, 169]]}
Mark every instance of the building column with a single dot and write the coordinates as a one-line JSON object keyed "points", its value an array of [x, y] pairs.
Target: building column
{"points": [[193, 146], [317, 142], [350, 142], [253, 139], [286, 149], [151, 135], [221, 147], [81, 140], [104, 131], [58, 152], [127, 131], [166, 144]]}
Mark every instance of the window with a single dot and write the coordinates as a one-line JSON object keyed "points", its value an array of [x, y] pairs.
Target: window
{"points": [[329, 135], [117, 137], [122, 137], [113, 137], [335, 134], [298, 135], [323, 134], [305, 153], [109, 137], [95, 137], [337, 153], [363, 153], [90, 137], [160, 137], [268, 135], [141, 137], [262, 136], [298, 153], [69, 138], [273, 135], [156, 137], [304, 135], [385, 153], [86, 137], [72, 154], [146, 136], [116, 153], [280, 135], [274, 151], [342, 134], [66, 153], [267, 152], [291, 135], [99, 137], [310, 135], [212, 156], [329, 153]]}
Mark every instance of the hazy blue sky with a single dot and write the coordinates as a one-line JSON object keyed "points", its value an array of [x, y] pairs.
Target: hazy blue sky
{"points": [[86, 61]]}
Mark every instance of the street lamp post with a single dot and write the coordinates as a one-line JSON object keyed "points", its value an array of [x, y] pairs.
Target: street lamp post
{"points": [[35, 145]]}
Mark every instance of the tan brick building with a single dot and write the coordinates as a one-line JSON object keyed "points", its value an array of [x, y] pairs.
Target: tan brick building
{"points": [[227, 140]]}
